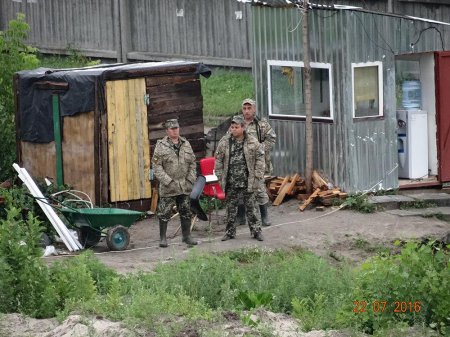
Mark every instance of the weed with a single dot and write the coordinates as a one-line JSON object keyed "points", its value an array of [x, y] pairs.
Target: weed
{"points": [[386, 192], [360, 203], [251, 300], [438, 215], [311, 311], [419, 274], [360, 243], [417, 204]]}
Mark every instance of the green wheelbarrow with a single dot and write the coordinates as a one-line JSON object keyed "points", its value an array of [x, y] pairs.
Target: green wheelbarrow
{"points": [[92, 222]]}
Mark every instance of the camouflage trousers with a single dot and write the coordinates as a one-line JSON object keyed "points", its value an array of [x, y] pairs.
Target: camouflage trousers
{"points": [[166, 206], [233, 198], [261, 195]]}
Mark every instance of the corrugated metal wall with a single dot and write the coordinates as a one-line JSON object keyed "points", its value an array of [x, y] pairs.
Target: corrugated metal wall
{"points": [[356, 155], [213, 31]]}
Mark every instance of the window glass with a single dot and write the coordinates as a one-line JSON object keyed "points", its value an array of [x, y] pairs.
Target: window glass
{"points": [[366, 91], [287, 90]]}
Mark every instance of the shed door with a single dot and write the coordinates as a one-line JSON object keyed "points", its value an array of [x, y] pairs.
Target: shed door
{"points": [[442, 60], [128, 144]]}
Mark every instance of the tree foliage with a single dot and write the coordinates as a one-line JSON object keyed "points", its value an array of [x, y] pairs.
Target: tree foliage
{"points": [[15, 55]]}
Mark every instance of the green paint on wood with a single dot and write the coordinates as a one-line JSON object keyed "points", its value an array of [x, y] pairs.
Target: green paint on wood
{"points": [[58, 141]]}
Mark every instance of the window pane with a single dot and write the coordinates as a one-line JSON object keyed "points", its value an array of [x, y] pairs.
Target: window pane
{"points": [[287, 90], [366, 91]]}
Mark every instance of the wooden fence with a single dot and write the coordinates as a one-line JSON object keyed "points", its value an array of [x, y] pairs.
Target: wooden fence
{"points": [[215, 32]]}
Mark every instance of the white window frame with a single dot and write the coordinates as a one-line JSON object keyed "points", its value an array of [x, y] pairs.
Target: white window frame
{"points": [[379, 64], [299, 64]]}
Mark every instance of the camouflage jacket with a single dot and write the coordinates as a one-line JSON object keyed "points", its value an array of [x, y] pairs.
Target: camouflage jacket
{"points": [[176, 172], [261, 130], [254, 157]]}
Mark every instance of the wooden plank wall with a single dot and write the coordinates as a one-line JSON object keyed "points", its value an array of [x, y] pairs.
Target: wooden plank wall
{"points": [[129, 157], [78, 152], [39, 159], [78, 155], [179, 97]]}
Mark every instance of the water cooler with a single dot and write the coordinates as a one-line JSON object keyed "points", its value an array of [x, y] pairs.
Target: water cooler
{"points": [[412, 144]]}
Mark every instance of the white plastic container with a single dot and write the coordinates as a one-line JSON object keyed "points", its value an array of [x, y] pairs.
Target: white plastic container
{"points": [[411, 95]]}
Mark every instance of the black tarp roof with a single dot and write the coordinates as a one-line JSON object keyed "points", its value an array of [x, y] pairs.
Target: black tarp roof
{"points": [[35, 91]]}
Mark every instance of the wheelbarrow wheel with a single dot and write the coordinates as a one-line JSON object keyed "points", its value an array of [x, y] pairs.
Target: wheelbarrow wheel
{"points": [[88, 236], [118, 238]]}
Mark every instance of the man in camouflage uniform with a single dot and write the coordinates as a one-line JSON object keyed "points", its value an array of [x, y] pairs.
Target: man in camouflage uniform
{"points": [[174, 167], [239, 165], [261, 130]]}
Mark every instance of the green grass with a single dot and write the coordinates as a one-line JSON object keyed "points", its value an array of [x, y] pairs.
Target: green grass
{"points": [[225, 90], [73, 60]]}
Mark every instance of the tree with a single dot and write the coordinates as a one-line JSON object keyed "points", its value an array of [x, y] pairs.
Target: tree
{"points": [[15, 55]]}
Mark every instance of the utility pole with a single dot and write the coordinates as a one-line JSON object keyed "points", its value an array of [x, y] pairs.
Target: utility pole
{"points": [[307, 96]]}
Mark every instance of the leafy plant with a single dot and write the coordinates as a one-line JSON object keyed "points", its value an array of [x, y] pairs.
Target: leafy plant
{"points": [[413, 287], [15, 55], [360, 203], [25, 286], [251, 300], [311, 311]]}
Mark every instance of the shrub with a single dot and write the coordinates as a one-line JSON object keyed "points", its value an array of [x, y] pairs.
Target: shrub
{"points": [[25, 285], [15, 55], [412, 287]]}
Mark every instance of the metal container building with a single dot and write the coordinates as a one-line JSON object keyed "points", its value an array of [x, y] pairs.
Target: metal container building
{"points": [[354, 54]]}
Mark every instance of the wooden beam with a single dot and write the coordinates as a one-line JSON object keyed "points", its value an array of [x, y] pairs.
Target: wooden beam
{"points": [[318, 181], [309, 200], [281, 195]]}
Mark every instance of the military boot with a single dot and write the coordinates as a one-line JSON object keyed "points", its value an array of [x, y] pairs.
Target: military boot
{"points": [[264, 214], [162, 233], [186, 232], [240, 218]]}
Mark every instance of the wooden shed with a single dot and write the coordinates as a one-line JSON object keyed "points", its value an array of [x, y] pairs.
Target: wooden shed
{"points": [[95, 128]]}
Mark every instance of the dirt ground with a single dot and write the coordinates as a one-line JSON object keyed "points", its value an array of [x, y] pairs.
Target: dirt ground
{"points": [[336, 234]]}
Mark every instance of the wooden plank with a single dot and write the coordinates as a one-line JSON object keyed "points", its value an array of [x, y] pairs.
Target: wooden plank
{"points": [[294, 180], [144, 168], [39, 159], [191, 88], [78, 152], [157, 81], [302, 196], [112, 155], [129, 126], [121, 93], [309, 200], [283, 190], [154, 203], [318, 181]]}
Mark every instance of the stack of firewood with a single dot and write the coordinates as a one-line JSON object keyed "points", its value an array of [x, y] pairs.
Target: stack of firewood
{"points": [[279, 188]]}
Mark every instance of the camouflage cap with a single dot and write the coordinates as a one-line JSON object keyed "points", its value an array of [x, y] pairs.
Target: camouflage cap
{"points": [[248, 101], [238, 119], [171, 124]]}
